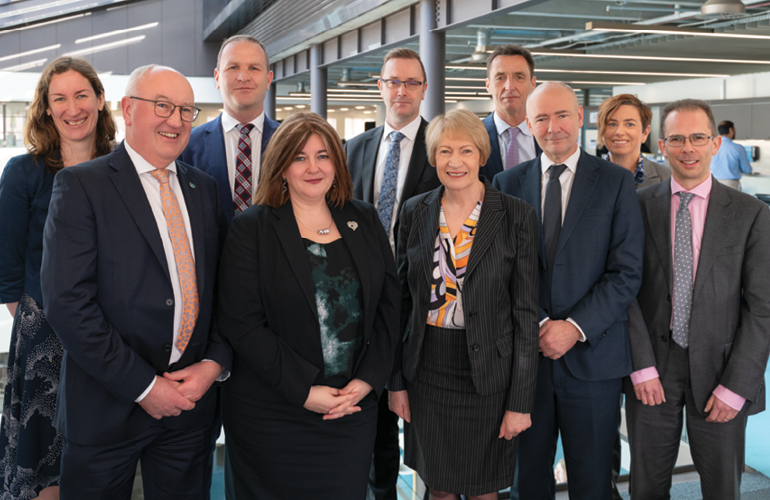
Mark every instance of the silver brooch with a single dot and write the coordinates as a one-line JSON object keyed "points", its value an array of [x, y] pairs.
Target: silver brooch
{"points": [[353, 225]]}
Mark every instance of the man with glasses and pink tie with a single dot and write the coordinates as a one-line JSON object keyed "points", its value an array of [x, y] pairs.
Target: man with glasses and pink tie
{"points": [[389, 165], [130, 253]]}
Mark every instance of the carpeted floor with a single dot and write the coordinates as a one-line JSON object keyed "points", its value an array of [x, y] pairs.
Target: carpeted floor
{"points": [[754, 486]]}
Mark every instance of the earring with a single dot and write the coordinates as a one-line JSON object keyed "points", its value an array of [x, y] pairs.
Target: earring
{"points": [[334, 183], [285, 185]]}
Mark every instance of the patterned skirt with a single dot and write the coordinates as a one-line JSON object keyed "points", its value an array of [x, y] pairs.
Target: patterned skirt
{"points": [[452, 440], [29, 444]]}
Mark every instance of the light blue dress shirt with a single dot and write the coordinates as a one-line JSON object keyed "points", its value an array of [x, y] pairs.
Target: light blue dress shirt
{"points": [[730, 161]]}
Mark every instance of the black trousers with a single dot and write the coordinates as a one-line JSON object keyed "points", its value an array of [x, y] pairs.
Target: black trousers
{"points": [[387, 455]]}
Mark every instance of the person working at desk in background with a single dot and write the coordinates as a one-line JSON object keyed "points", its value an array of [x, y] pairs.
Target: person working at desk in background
{"points": [[731, 160]]}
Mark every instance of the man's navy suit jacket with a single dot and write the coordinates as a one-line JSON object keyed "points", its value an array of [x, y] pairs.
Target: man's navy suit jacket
{"points": [[206, 151], [495, 163], [110, 300], [598, 264]]}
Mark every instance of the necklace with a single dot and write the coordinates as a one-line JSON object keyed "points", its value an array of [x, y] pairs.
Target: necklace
{"points": [[322, 232]]}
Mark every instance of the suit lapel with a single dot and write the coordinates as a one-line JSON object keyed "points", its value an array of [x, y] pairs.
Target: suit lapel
{"points": [[659, 220], [354, 240], [494, 163], [531, 192], [718, 219], [428, 227], [417, 163], [194, 203], [583, 186], [489, 221], [126, 181], [371, 146], [291, 241]]}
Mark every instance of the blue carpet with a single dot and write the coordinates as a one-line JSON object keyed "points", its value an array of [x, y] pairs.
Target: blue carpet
{"points": [[754, 486], [758, 439]]}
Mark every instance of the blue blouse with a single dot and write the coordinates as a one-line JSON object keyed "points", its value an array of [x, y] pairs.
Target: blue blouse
{"points": [[25, 192]]}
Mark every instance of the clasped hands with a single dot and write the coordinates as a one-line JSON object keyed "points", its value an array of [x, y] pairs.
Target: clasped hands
{"points": [[178, 391], [336, 403], [557, 337]]}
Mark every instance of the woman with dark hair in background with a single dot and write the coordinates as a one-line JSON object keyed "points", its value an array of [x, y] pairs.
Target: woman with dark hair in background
{"points": [[308, 299], [67, 124]]}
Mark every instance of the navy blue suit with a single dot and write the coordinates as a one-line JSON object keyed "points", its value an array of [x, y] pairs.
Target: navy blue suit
{"points": [[206, 151], [596, 275], [494, 163], [109, 298]]}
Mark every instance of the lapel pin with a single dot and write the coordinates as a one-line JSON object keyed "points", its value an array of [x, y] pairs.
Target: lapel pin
{"points": [[353, 225], [192, 185]]}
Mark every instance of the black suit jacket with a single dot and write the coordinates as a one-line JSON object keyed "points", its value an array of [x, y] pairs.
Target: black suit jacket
{"points": [[110, 301], [499, 294], [362, 152], [494, 163], [267, 307]]}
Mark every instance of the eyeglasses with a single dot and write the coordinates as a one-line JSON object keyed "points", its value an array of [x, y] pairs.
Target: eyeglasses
{"points": [[677, 141], [165, 109], [394, 84]]}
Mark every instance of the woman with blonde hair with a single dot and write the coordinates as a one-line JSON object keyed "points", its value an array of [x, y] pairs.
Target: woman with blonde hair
{"points": [[68, 123], [308, 299]]}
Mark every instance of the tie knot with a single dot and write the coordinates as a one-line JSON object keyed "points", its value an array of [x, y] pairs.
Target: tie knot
{"points": [[685, 198], [513, 133], [244, 128], [396, 136], [161, 175], [557, 170]]}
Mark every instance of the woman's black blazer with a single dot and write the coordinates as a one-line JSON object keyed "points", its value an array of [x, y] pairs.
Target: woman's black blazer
{"points": [[267, 307], [500, 294]]}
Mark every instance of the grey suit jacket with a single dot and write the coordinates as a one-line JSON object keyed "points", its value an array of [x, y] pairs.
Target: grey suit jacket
{"points": [[654, 173], [729, 339], [499, 294]]}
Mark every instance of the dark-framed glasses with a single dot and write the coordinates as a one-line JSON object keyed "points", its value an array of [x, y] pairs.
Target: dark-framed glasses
{"points": [[677, 141], [165, 109], [408, 84]]}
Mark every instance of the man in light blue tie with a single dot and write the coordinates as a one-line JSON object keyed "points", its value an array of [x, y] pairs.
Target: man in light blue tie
{"points": [[389, 165]]}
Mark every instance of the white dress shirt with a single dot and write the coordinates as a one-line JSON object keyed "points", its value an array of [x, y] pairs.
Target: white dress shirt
{"points": [[232, 136], [566, 179], [152, 190], [524, 139], [407, 145]]}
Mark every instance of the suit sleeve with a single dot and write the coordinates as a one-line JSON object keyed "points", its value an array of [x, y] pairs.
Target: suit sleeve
{"points": [[375, 368], [14, 222], [745, 368], [524, 307], [611, 295], [642, 353], [242, 317], [397, 380], [70, 289]]}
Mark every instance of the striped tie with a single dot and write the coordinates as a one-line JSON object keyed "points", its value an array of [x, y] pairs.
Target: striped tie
{"points": [[242, 187], [185, 266]]}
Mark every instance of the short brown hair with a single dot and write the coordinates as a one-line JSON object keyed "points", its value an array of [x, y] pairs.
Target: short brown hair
{"points": [[405, 53], [243, 38], [40, 135], [609, 106], [457, 122], [286, 144], [687, 105], [512, 50]]}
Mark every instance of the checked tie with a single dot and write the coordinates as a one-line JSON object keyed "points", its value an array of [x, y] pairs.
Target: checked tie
{"points": [[390, 181], [185, 266], [682, 270], [242, 187], [512, 151]]}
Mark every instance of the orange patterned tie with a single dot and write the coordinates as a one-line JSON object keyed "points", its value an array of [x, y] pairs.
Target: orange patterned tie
{"points": [[185, 265]]}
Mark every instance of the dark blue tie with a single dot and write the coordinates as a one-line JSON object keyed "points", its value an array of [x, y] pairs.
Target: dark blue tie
{"points": [[552, 216]]}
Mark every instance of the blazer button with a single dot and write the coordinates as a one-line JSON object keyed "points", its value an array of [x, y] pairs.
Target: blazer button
{"points": [[668, 298], [476, 347], [167, 347], [472, 314], [169, 302], [664, 338], [368, 342]]}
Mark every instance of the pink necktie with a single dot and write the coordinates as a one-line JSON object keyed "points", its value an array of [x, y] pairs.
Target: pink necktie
{"points": [[185, 265], [512, 151]]}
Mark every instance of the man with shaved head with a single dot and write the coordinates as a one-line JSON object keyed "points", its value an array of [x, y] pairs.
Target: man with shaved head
{"points": [[130, 252], [590, 271]]}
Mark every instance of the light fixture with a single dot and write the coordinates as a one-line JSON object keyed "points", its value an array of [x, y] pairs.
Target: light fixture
{"points": [[355, 84], [116, 32], [114, 105], [36, 8], [37, 25], [343, 109], [667, 30], [557, 53], [722, 9], [22, 67], [300, 106], [288, 108], [106, 46], [360, 107], [367, 112], [30, 52], [331, 110], [357, 91], [593, 83], [597, 72]]}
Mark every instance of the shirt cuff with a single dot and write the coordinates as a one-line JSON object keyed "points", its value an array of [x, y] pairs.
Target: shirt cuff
{"points": [[542, 322], [644, 375], [728, 397], [582, 335], [222, 376], [146, 391]]}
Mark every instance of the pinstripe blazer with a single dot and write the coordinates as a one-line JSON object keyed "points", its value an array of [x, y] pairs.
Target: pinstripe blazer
{"points": [[499, 294]]}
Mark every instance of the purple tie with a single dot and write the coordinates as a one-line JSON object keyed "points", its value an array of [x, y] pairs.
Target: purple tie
{"points": [[242, 186], [512, 152]]}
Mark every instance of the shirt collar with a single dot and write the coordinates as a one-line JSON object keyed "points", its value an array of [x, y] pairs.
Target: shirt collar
{"points": [[638, 173], [229, 123], [409, 131], [571, 162], [702, 190], [143, 166], [502, 126]]}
